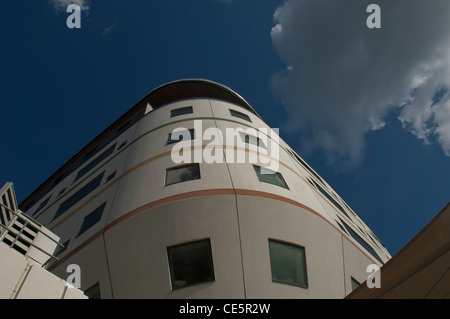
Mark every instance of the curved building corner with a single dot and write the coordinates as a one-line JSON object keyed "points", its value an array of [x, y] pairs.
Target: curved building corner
{"points": [[140, 223]]}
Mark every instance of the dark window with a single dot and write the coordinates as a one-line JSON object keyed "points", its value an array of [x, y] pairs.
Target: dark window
{"points": [[240, 115], [190, 263], [42, 205], [182, 173], [123, 128], [62, 191], [91, 219], [58, 180], [306, 166], [89, 154], [180, 136], [122, 145], [75, 198], [271, 177], [181, 111], [93, 292], [29, 205], [331, 199], [362, 242], [110, 177], [95, 162], [288, 263]]}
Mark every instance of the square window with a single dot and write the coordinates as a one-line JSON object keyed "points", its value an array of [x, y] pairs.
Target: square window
{"points": [[91, 219], [240, 115], [182, 173], [181, 111], [271, 177], [288, 263], [190, 263]]}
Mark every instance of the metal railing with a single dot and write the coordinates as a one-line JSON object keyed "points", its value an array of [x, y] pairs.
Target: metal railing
{"points": [[29, 225]]}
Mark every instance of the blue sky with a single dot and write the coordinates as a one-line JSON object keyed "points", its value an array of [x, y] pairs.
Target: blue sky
{"points": [[356, 104]]}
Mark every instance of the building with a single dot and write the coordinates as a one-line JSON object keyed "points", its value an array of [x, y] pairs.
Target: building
{"points": [[142, 224], [420, 270], [25, 249]]}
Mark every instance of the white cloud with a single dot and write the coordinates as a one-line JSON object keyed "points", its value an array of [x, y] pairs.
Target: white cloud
{"points": [[342, 78], [61, 5]]}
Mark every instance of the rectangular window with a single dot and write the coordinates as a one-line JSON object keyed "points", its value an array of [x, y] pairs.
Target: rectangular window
{"points": [[95, 162], [190, 263], [306, 166], [182, 173], [250, 139], [92, 219], [181, 111], [288, 263], [362, 242], [75, 198], [331, 199], [271, 177], [240, 115], [180, 136]]}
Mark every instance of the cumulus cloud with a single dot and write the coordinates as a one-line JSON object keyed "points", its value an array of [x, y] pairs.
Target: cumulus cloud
{"points": [[61, 5], [342, 79]]}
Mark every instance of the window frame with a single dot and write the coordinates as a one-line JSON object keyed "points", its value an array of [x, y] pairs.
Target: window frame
{"points": [[96, 161], [250, 140], [240, 115], [181, 167], [278, 174], [173, 112], [99, 210], [171, 264], [304, 285], [79, 195]]}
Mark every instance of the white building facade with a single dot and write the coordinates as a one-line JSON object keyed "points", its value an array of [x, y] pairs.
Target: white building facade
{"points": [[140, 223]]}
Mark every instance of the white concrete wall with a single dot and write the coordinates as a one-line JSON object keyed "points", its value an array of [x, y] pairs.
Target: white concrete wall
{"points": [[127, 251], [23, 279]]}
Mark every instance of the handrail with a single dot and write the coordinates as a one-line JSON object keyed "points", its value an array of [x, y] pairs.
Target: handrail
{"points": [[29, 218], [19, 234]]}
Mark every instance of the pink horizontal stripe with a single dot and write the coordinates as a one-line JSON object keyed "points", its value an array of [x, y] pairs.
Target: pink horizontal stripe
{"points": [[200, 193]]}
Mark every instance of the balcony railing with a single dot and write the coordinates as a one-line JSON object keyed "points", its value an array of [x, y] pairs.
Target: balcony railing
{"points": [[22, 233]]}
